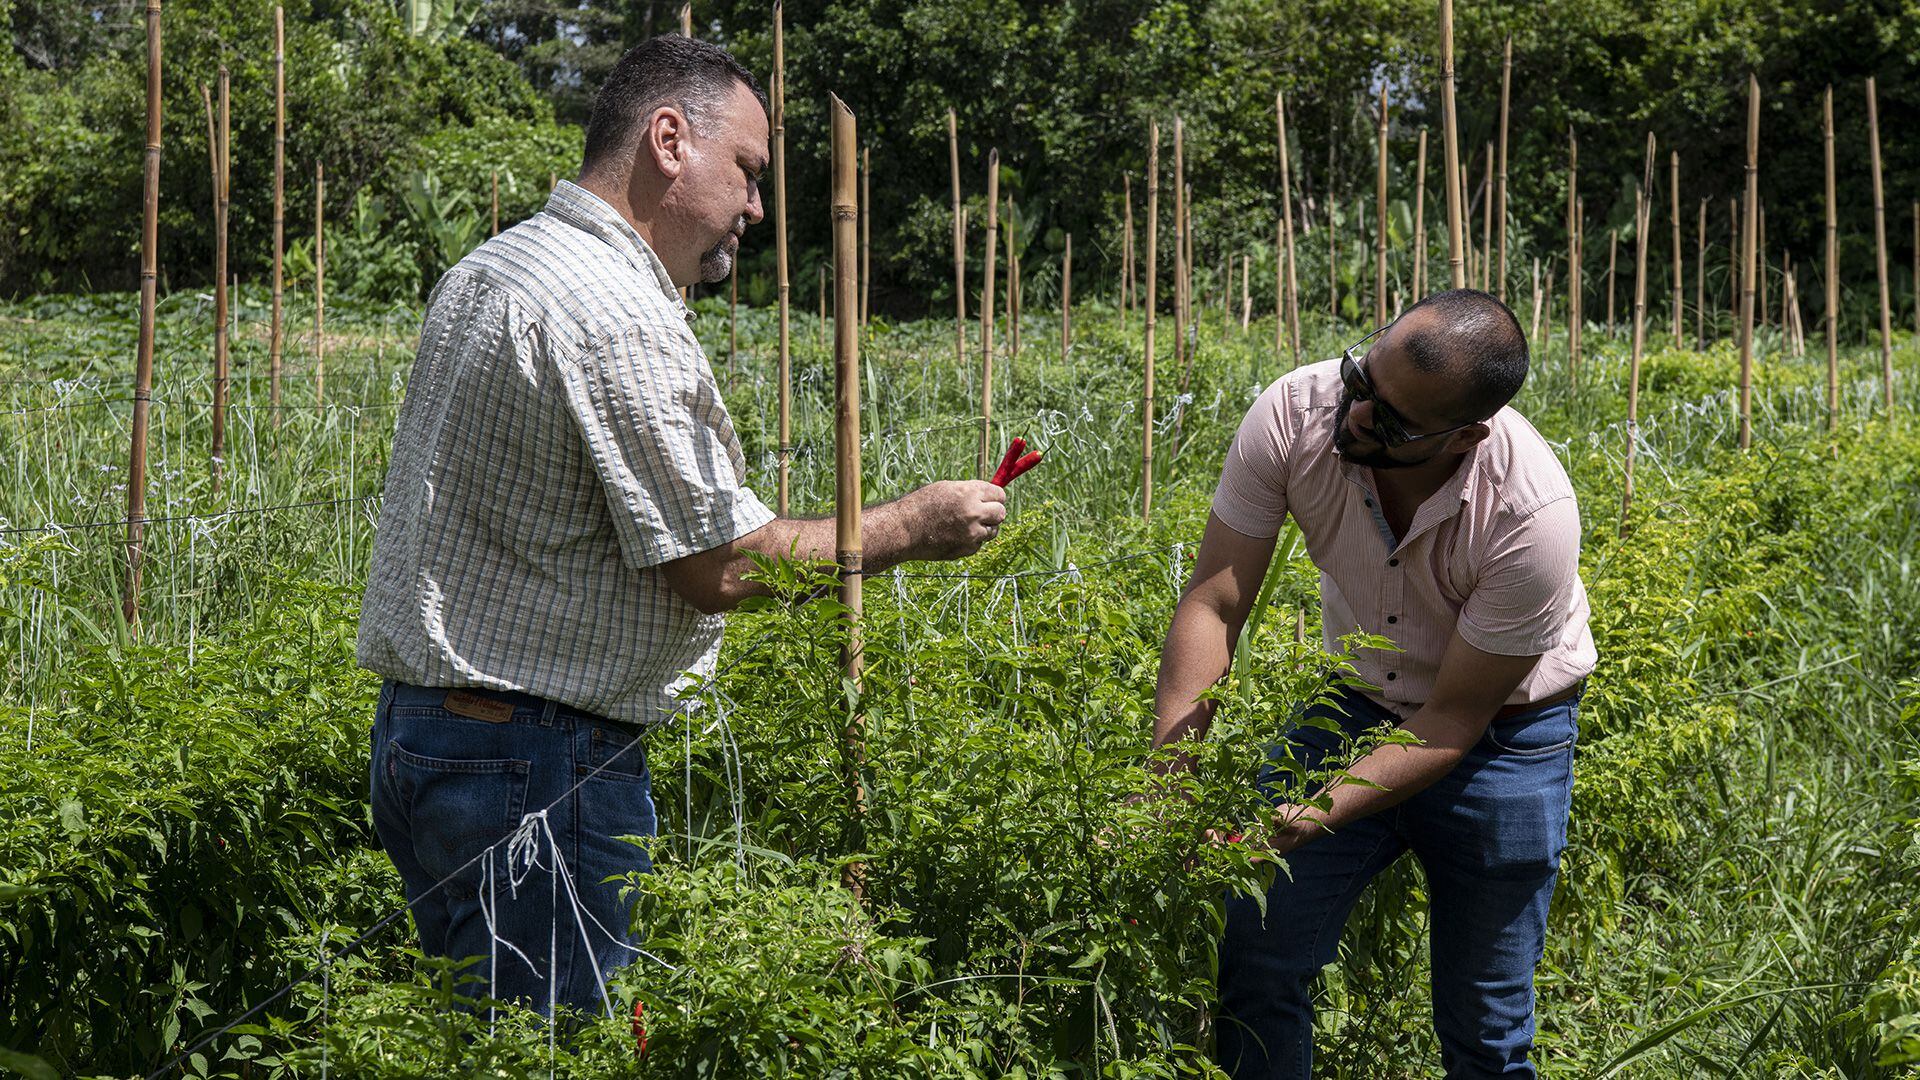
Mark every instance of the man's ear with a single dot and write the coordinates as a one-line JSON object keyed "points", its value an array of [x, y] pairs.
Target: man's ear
{"points": [[666, 140], [1467, 437]]}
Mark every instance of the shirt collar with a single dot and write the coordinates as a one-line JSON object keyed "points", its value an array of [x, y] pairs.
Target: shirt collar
{"points": [[582, 209]]}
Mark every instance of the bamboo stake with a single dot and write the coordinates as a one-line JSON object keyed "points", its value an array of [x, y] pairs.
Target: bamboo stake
{"points": [[1179, 245], [222, 200], [986, 308], [1152, 268], [846, 444], [1456, 266], [1535, 333], [1700, 283], [1486, 226], [494, 229], [686, 19], [1420, 221], [1613, 255], [1500, 192], [1642, 240], [1748, 239], [1126, 255], [319, 282], [959, 247], [1760, 246], [866, 233], [1833, 269], [1793, 315], [1679, 303], [143, 357], [1380, 221], [1246, 292], [1066, 300], [1286, 218], [784, 286], [1574, 217], [276, 336], [1880, 248]]}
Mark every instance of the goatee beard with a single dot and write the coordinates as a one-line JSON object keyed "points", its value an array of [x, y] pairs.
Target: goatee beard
{"points": [[1343, 441], [717, 263]]}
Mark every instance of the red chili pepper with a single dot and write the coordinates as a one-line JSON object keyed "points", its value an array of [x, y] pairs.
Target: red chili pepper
{"points": [[1234, 838], [1023, 465], [639, 1029], [1007, 460]]}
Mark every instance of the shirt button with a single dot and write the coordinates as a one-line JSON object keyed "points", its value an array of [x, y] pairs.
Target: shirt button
{"points": [[1369, 504], [1392, 675], [1393, 562], [1391, 619]]}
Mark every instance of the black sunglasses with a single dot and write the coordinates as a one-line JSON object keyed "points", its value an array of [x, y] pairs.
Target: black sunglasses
{"points": [[1386, 422]]}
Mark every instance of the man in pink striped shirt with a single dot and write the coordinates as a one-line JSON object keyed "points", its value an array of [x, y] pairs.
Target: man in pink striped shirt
{"points": [[1439, 518]]}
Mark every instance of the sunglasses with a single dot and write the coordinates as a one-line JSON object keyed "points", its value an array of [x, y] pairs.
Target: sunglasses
{"points": [[1387, 424]]}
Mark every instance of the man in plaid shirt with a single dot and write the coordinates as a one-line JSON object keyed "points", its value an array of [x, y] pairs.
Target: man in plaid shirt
{"points": [[565, 521]]}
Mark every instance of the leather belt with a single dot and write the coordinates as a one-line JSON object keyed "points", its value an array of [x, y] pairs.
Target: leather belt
{"points": [[1508, 712]]}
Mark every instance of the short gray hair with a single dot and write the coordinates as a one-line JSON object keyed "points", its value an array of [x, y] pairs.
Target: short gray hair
{"points": [[695, 76]]}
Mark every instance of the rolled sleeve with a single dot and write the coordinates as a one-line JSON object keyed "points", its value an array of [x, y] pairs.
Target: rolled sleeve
{"points": [[663, 445], [1524, 598], [1251, 497]]}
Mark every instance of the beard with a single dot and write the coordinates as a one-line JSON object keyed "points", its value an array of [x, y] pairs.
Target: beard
{"points": [[717, 263], [1344, 442]]}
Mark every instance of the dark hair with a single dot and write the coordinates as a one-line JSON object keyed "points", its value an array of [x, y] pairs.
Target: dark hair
{"points": [[1479, 343], [696, 76]]}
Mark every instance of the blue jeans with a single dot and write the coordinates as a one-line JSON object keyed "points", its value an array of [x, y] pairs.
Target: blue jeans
{"points": [[448, 787], [1488, 835]]}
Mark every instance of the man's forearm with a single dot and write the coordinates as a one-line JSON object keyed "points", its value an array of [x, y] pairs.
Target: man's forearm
{"points": [[885, 539], [1198, 649]]}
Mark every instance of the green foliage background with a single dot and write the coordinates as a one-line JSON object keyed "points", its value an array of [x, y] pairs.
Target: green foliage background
{"points": [[1062, 88]]}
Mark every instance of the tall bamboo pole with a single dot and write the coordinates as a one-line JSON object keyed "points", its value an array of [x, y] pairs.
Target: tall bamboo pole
{"points": [[1748, 242], [143, 357], [1286, 218], [959, 247], [1679, 304], [1066, 301], [1700, 283], [222, 198], [1420, 221], [1380, 221], [1153, 285], [319, 282], [1486, 226], [1642, 240], [866, 232], [986, 308], [846, 443], [1573, 257], [784, 285], [1613, 258], [1456, 265], [1833, 269], [1179, 245], [686, 18], [1500, 192], [276, 335], [1126, 254], [1880, 248], [1246, 291]]}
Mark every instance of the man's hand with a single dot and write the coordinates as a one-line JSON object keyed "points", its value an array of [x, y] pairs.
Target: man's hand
{"points": [[949, 519]]}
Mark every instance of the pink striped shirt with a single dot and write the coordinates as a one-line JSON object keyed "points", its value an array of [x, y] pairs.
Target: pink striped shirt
{"points": [[1494, 554]]}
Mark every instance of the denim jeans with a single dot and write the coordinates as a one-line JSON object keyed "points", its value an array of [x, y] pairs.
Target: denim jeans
{"points": [[448, 787], [1488, 835]]}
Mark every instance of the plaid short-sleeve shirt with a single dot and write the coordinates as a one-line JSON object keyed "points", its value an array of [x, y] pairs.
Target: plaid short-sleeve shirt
{"points": [[562, 437]]}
